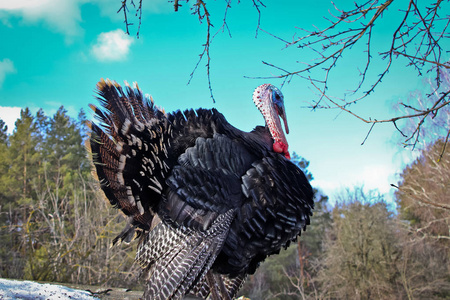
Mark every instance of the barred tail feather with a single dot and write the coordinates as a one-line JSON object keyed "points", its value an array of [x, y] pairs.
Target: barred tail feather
{"points": [[179, 258], [218, 286]]}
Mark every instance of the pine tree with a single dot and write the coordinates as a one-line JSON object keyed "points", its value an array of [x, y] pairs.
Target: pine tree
{"points": [[59, 229], [6, 240], [23, 158], [20, 159], [3, 132], [4, 163]]}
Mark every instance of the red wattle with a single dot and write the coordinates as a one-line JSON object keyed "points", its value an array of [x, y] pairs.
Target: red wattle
{"points": [[280, 147]]}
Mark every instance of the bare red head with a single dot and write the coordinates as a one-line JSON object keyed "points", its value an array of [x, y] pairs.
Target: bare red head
{"points": [[270, 102]]}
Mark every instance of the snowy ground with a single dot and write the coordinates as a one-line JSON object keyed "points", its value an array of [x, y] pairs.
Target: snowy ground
{"points": [[28, 290]]}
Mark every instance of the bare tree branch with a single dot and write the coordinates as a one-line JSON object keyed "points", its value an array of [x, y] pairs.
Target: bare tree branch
{"points": [[423, 201], [417, 37], [203, 14], [125, 10]]}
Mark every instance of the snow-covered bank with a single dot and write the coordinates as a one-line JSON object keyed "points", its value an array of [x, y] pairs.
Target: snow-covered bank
{"points": [[14, 289]]}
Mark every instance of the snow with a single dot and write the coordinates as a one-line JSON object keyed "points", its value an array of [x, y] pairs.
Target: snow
{"points": [[27, 290]]}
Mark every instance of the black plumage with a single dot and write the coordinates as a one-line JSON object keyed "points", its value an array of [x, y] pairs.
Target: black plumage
{"points": [[211, 201]]}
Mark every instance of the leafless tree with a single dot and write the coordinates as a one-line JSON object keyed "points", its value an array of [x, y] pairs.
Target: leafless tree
{"points": [[423, 194], [418, 35], [417, 38], [430, 128], [373, 254]]}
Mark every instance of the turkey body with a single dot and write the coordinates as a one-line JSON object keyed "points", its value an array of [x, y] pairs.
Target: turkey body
{"points": [[210, 201]]}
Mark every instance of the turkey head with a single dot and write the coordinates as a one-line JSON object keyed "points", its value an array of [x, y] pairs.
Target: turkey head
{"points": [[270, 102]]}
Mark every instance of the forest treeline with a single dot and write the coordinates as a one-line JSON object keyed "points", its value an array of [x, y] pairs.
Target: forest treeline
{"points": [[57, 226]]}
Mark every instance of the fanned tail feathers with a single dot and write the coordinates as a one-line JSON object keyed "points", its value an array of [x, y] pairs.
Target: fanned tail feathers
{"points": [[130, 131]]}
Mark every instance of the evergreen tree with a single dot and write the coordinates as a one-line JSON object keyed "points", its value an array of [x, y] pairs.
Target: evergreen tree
{"points": [[6, 240], [4, 163], [53, 224], [3, 132], [58, 187], [20, 160], [23, 158], [63, 152]]}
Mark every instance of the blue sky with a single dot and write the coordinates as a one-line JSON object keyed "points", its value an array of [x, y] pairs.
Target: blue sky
{"points": [[53, 53]]}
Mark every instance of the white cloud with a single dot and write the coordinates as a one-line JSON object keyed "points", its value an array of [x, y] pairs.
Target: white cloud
{"points": [[378, 177], [60, 16], [64, 16], [6, 67], [112, 46], [10, 114], [370, 177]]}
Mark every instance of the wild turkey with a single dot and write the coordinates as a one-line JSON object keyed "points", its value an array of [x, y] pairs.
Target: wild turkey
{"points": [[210, 201]]}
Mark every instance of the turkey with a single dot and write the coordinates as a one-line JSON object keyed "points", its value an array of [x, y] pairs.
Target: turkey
{"points": [[208, 201]]}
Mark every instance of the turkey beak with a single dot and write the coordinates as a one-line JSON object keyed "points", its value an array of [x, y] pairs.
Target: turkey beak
{"points": [[282, 114]]}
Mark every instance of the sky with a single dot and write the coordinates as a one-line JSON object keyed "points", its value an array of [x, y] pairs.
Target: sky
{"points": [[54, 52]]}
